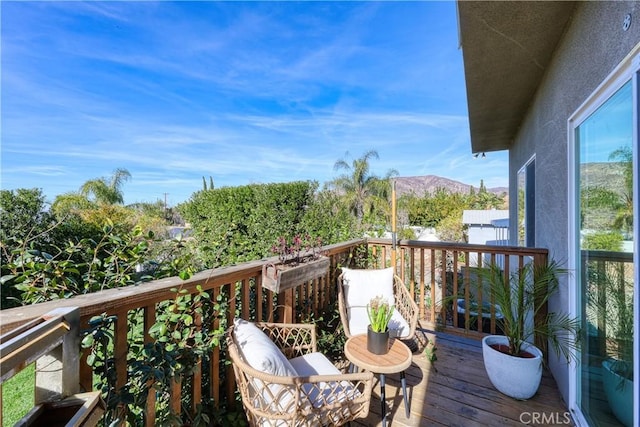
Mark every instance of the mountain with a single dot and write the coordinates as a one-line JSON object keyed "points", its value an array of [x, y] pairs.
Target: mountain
{"points": [[609, 175], [421, 185]]}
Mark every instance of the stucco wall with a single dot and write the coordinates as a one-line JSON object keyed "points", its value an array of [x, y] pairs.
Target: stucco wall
{"points": [[593, 45]]}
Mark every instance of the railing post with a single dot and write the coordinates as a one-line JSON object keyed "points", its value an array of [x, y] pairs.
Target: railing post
{"points": [[422, 293], [540, 260], [412, 275], [57, 374], [285, 306], [149, 321], [214, 386]]}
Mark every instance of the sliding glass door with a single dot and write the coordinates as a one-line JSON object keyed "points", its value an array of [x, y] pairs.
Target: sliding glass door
{"points": [[604, 144]]}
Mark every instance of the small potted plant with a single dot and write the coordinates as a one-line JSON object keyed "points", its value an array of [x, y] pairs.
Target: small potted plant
{"points": [[379, 311]]}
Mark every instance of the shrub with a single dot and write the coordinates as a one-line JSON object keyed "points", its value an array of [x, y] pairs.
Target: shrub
{"points": [[604, 241]]}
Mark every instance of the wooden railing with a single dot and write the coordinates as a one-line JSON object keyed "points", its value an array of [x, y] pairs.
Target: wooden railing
{"points": [[51, 342], [607, 284], [241, 287], [433, 272], [426, 266]]}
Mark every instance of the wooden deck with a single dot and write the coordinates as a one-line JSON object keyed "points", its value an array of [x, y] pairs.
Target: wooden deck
{"points": [[456, 391]]}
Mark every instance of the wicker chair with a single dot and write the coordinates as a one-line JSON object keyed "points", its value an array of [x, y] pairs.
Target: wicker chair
{"points": [[368, 285], [319, 395]]}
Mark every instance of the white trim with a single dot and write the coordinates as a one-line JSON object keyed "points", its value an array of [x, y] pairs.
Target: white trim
{"points": [[573, 266], [522, 170], [628, 69], [636, 235], [524, 165]]}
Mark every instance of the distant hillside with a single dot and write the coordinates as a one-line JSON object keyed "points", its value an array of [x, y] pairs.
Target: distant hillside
{"points": [[609, 175], [428, 184]]}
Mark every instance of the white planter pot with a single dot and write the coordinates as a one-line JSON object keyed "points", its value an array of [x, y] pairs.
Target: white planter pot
{"points": [[619, 392], [517, 377]]}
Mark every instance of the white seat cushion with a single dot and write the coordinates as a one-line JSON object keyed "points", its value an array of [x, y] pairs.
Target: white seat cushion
{"points": [[360, 286], [321, 394], [313, 364]]}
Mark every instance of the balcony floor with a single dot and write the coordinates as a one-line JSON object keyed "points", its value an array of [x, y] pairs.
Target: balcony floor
{"points": [[457, 392]]}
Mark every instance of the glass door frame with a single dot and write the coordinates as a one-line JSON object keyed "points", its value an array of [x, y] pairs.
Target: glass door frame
{"points": [[526, 224], [628, 69]]}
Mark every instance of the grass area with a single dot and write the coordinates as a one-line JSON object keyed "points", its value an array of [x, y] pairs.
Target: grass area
{"points": [[18, 396]]}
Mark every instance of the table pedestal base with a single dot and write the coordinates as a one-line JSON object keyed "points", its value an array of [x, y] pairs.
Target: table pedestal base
{"points": [[383, 397]]}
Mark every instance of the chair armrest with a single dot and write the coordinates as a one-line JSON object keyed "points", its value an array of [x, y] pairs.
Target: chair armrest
{"points": [[264, 396], [406, 306], [336, 399], [293, 339]]}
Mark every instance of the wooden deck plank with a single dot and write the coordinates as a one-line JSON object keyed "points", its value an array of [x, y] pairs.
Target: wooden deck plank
{"points": [[456, 391]]}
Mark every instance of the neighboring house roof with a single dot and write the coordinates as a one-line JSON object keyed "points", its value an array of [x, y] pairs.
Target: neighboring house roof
{"points": [[506, 47], [500, 223], [485, 217]]}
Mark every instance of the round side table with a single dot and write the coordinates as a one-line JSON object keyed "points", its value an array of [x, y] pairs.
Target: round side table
{"points": [[396, 360]]}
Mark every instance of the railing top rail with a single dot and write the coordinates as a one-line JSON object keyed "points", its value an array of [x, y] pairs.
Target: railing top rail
{"points": [[134, 296], [462, 247], [130, 297], [613, 256]]}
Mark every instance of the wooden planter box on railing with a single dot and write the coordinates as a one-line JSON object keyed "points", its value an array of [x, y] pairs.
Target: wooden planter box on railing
{"points": [[279, 277]]}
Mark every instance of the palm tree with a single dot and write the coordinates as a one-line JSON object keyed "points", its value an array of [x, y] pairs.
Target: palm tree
{"points": [[360, 188], [67, 203], [106, 191], [624, 216]]}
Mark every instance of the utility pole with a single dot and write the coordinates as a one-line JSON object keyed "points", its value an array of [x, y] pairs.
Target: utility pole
{"points": [[394, 234], [165, 205]]}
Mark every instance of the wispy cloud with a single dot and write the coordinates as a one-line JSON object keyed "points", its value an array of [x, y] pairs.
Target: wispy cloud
{"points": [[242, 92]]}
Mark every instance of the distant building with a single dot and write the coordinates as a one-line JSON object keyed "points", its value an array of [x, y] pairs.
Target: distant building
{"points": [[487, 227]]}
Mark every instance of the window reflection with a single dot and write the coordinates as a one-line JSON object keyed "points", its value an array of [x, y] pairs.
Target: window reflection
{"points": [[606, 274]]}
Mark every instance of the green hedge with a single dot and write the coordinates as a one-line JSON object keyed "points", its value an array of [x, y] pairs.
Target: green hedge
{"points": [[244, 222]]}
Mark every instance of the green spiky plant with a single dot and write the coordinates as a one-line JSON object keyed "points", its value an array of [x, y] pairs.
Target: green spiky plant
{"points": [[379, 312], [525, 293]]}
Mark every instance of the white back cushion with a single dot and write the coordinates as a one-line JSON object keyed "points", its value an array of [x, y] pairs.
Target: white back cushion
{"points": [[360, 286], [259, 351], [398, 326]]}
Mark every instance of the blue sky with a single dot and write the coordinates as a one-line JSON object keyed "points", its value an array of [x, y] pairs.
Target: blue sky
{"points": [[245, 92]]}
